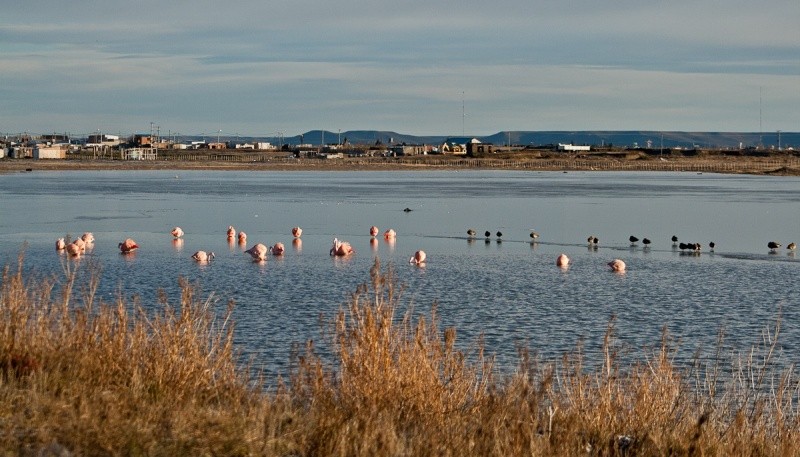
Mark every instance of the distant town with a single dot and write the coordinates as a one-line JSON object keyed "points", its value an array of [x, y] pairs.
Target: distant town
{"points": [[313, 144]]}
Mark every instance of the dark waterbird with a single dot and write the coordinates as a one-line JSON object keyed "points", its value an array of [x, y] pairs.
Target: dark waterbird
{"points": [[633, 239], [711, 245], [674, 239], [534, 235], [646, 242], [773, 245], [407, 210], [592, 239], [471, 232], [487, 234]]}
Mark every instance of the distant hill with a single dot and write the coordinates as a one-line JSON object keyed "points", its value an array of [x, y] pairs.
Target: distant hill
{"points": [[617, 138]]}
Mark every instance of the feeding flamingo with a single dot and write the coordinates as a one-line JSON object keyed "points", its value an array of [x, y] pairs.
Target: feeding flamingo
{"points": [[278, 249], [88, 237], [418, 258], [389, 234], [73, 250], [297, 232], [128, 246], [258, 252], [562, 261], [231, 232], [617, 265], [341, 248], [80, 243], [203, 256], [373, 231], [177, 232], [60, 244], [242, 238]]}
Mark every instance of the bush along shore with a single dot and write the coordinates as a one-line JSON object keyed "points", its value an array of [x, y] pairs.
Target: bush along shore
{"points": [[83, 377]]}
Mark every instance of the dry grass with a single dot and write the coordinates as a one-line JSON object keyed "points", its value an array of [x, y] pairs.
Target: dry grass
{"points": [[85, 378]]}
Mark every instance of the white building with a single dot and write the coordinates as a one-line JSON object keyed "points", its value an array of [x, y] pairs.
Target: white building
{"points": [[572, 147], [56, 151]]}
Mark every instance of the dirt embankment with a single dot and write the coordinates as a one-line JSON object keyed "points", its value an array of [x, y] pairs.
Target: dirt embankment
{"points": [[771, 164]]}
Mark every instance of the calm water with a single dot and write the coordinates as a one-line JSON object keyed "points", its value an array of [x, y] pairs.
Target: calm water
{"points": [[512, 292]]}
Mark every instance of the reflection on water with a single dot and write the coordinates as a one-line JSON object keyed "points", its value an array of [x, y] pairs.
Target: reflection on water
{"points": [[507, 289]]}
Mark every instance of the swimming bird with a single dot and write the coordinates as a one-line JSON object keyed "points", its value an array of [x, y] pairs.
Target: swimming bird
{"points": [[791, 246], [499, 236], [374, 230], [534, 235], [633, 239], [407, 210], [471, 233], [487, 234], [203, 256], [297, 232], [278, 249], [177, 232], [341, 248], [88, 237], [592, 240], [389, 234], [258, 252], [418, 258], [711, 246], [231, 232], [646, 242], [617, 265], [128, 246], [562, 261], [60, 244], [242, 238], [674, 239], [773, 245]]}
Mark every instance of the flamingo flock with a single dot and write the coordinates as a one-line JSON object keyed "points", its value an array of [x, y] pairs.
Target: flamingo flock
{"points": [[259, 252]]}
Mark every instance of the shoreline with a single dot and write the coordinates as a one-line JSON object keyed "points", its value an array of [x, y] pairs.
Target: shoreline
{"points": [[779, 165]]}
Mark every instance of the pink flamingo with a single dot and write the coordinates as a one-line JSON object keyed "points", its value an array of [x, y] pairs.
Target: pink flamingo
{"points": [[60, 244], [88, 237], [278, 249], [562, 261], [373, 231], [203, 256], [242, 238], [418, 258], [258, 252], [80, 243], [296, 232], [73, 250], [389, 234], [177, 232], [231, 232], [341, 248], [617, 265], [128, 246]]}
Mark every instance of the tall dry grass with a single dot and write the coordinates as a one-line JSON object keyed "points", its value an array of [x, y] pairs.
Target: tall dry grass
{"points": [[86, 378]]}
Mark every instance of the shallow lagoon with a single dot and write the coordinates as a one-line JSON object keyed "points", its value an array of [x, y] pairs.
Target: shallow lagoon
{"points": [[511, 291]]}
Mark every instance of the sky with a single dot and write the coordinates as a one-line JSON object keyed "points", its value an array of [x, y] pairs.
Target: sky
{"points": [[420, 67]]}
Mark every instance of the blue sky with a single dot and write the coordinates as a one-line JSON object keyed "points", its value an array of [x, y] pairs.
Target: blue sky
{"points": [[257, 68]]}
